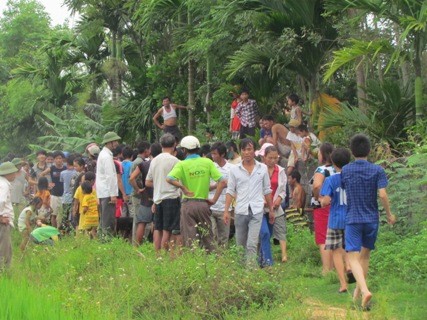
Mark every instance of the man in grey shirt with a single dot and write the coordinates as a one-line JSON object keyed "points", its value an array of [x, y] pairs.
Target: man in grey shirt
{"points": [[249, 184]]}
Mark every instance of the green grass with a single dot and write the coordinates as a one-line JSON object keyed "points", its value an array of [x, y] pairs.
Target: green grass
{"points": [[83, 279]]}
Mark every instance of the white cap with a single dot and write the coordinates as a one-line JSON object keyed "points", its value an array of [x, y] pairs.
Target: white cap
{"points": [[190, 142], [261, 152]]}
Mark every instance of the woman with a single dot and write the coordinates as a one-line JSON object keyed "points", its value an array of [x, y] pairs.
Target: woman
{"points": [[321, 215], [278, 182]]}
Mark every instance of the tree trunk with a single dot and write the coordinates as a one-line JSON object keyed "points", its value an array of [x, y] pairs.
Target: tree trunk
{"points": [[208, 87], [113, 80], [191, 95], [419, 103]]}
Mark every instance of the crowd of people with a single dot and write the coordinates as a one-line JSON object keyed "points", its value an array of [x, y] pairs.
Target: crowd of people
{"points": [[186, 194]]}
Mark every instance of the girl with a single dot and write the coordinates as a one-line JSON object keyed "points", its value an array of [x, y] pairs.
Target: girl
{"points": [[90, 216], [44, 193], [278, 182], [26, 220]]}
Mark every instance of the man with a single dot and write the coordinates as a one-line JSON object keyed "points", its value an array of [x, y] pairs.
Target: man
{"points": [[106, 183], [19, 187], [249, 184], [220, 230], [247, 111], [39, 167], [166, 198], [277, 137], [193, 176], [168, 113], [7, 175]]}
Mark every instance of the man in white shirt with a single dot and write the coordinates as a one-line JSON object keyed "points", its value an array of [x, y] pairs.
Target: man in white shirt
{"points": [[249, 184], [7, 175], [220, 229], [107, 188]]}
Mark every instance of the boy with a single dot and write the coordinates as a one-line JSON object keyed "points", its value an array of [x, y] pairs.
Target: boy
{"points": [[298, 192], [78, 198], [362, 182], [89, 216], [66, 177], [332, 194]]}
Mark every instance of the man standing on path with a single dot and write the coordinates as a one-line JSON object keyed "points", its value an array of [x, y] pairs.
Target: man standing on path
{"points": [[193, 176], [107, 188], [168, 112], [249, 184], [7, 175], [247, 111]]}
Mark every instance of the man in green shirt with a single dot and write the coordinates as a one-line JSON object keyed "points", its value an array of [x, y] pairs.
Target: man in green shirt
{"points": [[193, 176]]}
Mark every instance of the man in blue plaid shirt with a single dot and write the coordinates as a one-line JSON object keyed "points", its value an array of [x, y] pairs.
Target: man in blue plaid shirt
{"points": [[362, 182], [247, 111]]}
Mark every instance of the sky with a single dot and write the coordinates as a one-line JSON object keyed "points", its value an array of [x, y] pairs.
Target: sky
{"points": [[54, 8]]}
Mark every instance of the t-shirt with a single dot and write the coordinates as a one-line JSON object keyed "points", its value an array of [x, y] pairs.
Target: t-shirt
{"points": [[89, 219], [159, 168], [265, 133], [361, 181], [225, 171], [23, 218], [44, 233], [195, 173], [296, 140], [119, 170], [127, 164], [79, 196], [66, 177], [17, 187], [45, 196], [147, 195], [326, 170], [55, 175], [332, 187]]}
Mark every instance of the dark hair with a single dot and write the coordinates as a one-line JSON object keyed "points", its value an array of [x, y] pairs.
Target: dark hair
{"points": [[127, 152], [49, 154], [270, 149], [166, 97], [326, 150], [43, 152], [43, 183], [56, 154], [155, 149], [117, 150], [268, 117], [294, 97], [90, 176], [232, 145], [302, 127], [36, 201], [80, 161], [340, 157], [70, 160], [296, 175], [204, 150], [167, 140], [245, 142], [143, 146], [220, 147], [244, 90], [86, 187], [360, 145], [180, 154]]}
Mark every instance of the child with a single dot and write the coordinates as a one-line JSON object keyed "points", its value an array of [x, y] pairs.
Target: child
{"points": [[362, 182], [78, 198], [44, 193], [44, 234], [296, 112], [298, 192], [296, 145], [310, 143], [66, 177], [89, 218], [332, 194], [27, 220]]}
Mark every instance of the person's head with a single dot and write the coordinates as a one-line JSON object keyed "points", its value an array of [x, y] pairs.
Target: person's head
{"points": [[294, 177], [36, 202], [268, 121], [232, 150], [191, 144], [49, 158], [360, 146], [93, 150], [247, 149], [218, 152], [292, 99], [111, 140], [143, 149], [271, 156], [58, 159], [302, 131], [90, 177], [79, 164], [86, 187], [43, 183], [340, 157], [155, 149], [167, 141], [325, 151], [166, 101], [244, 95], [127, 153], [205, 150], [293, 124], [18, 163], [179, 153], [70, 162], [8, 171], [261, 151], [209, 133], [41, 156]]}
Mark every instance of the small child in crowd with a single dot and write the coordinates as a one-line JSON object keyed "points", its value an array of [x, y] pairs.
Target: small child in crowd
{"points": [[89, 218], [78, 198], [44, 193]]}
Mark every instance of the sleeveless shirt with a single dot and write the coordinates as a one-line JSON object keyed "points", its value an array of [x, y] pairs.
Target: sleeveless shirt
{"points": [[168, 115]]}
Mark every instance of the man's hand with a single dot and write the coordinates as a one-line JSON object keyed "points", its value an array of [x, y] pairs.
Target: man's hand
{"points": [[113, 200], [153, 208], [4, 220], [391, 219], [226, 217], [125, 198], [271, 216], [277, 203], [187, 192]]}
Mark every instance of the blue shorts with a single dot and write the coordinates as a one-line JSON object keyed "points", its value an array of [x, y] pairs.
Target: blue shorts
{"points": [[360, 235]]}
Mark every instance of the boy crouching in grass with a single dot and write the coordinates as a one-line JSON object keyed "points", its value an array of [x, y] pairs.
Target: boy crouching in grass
{"points": [[363, 182], [332, 194]]}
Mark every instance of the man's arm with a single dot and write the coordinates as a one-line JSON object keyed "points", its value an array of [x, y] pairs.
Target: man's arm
{"points": [[177, 106], [228, 200], [121, 187], [45, 172], [179, 185], [156, 122], [391, 218], [220, 185], [132, 180]]}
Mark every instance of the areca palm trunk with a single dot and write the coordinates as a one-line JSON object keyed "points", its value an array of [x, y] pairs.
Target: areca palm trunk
{"points": [[209, 87], [191, 95]]}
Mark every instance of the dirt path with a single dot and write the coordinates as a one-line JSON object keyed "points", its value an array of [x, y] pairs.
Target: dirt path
{"points": [[320, 311]]}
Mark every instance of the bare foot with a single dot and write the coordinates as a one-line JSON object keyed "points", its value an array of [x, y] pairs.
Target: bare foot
{"points": [[284, 259], [365, 299], [356, 294], [342, 290]]}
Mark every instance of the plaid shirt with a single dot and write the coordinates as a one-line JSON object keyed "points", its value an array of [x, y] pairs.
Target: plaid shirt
{"points": [[247, 112], [361, 181]]}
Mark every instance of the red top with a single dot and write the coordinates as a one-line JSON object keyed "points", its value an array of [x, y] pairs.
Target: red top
{"points": [[235, 123], [274, 180]]}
